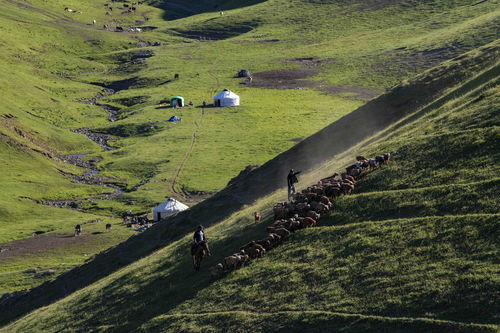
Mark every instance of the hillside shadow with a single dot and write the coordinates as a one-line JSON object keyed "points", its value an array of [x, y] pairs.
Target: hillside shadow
{"points": [[180, 284], [179, 9]]}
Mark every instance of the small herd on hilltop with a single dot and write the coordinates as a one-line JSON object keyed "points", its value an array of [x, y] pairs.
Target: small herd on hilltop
{"points": [[302, 211]]}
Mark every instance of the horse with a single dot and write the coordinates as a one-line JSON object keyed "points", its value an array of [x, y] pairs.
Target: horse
{"points": [[198, 253]]}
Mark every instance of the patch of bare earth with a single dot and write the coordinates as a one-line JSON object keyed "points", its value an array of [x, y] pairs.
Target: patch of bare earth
{"points": [[297, 79], [39, 243]]}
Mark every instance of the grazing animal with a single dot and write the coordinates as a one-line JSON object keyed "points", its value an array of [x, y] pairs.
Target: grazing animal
{"points": [[236, 260], [319, 207], [36, 233], [78, 230], [258, 217], [216, 271], [282, 232], [176, 76], [307, 222], [302, 207], [280, 211], [198, 254], [108, 227], [312, 214], [94, 22], [324, 200]]}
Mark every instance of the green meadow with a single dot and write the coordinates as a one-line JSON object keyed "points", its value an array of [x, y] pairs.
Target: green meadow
{"points": [[413, 250]]}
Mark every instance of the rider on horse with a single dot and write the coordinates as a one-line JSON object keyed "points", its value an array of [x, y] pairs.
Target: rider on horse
{"points": [[199, 238]]}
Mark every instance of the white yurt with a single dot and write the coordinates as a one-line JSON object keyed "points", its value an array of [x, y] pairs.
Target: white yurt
{"points": [[167, 208], [226, 98]]}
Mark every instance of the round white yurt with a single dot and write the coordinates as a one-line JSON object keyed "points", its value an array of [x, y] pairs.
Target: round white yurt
{"points": [[167, 208], [226, 98]]}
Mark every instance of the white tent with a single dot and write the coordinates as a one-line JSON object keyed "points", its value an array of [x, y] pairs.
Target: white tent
{"points": [[226, 98], [167, 208]]}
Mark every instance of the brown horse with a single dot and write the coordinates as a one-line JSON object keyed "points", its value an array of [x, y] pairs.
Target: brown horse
{"points": [[198, 253]]}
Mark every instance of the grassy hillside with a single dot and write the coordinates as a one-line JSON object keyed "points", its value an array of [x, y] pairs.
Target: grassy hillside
{"points": [[414, 250], [313, 63]]}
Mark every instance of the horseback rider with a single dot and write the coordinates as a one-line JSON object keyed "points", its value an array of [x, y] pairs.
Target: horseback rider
{"points": [[291, 180], [199, 238]]}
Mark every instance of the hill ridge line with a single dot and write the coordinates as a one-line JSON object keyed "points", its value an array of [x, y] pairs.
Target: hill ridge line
{"points": [[423, 189], [405, 219], [346, 314]]}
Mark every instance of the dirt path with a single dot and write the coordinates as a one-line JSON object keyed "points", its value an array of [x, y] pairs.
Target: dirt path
{"points": [[183, 194], [190, 197]]}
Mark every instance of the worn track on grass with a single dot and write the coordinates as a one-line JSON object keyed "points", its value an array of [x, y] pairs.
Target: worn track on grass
{"points": [[197, 126], [183, 194]]}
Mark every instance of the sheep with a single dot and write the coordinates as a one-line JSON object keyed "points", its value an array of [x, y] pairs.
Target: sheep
{"points": [[216, 271], [319, 207], [324, 200], [307, 222], [354, 171], [347, 188], [312, 197], [282, 232], [255, 251], [312, 214], [108, 227], [236, 260], [302, 207], [280, 211], [387, 157], [332, 191], [299, 197]]}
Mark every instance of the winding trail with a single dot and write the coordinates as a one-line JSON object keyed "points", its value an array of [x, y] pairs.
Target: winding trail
{"points": [[197, 125], [183, 194]]}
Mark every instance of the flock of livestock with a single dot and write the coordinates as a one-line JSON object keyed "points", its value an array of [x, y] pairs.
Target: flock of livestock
{"points": [[303, 211]]}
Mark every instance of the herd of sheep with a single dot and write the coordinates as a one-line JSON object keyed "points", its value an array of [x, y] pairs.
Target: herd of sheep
{"points": [[303, 211]]}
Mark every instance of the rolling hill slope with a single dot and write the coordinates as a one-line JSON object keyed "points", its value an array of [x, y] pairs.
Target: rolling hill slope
{"points": [[313, 63], [414, 250]]}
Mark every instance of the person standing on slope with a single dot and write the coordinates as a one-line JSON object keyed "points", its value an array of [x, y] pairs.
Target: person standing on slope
{"points": [[291, 180], [198, 238]]}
